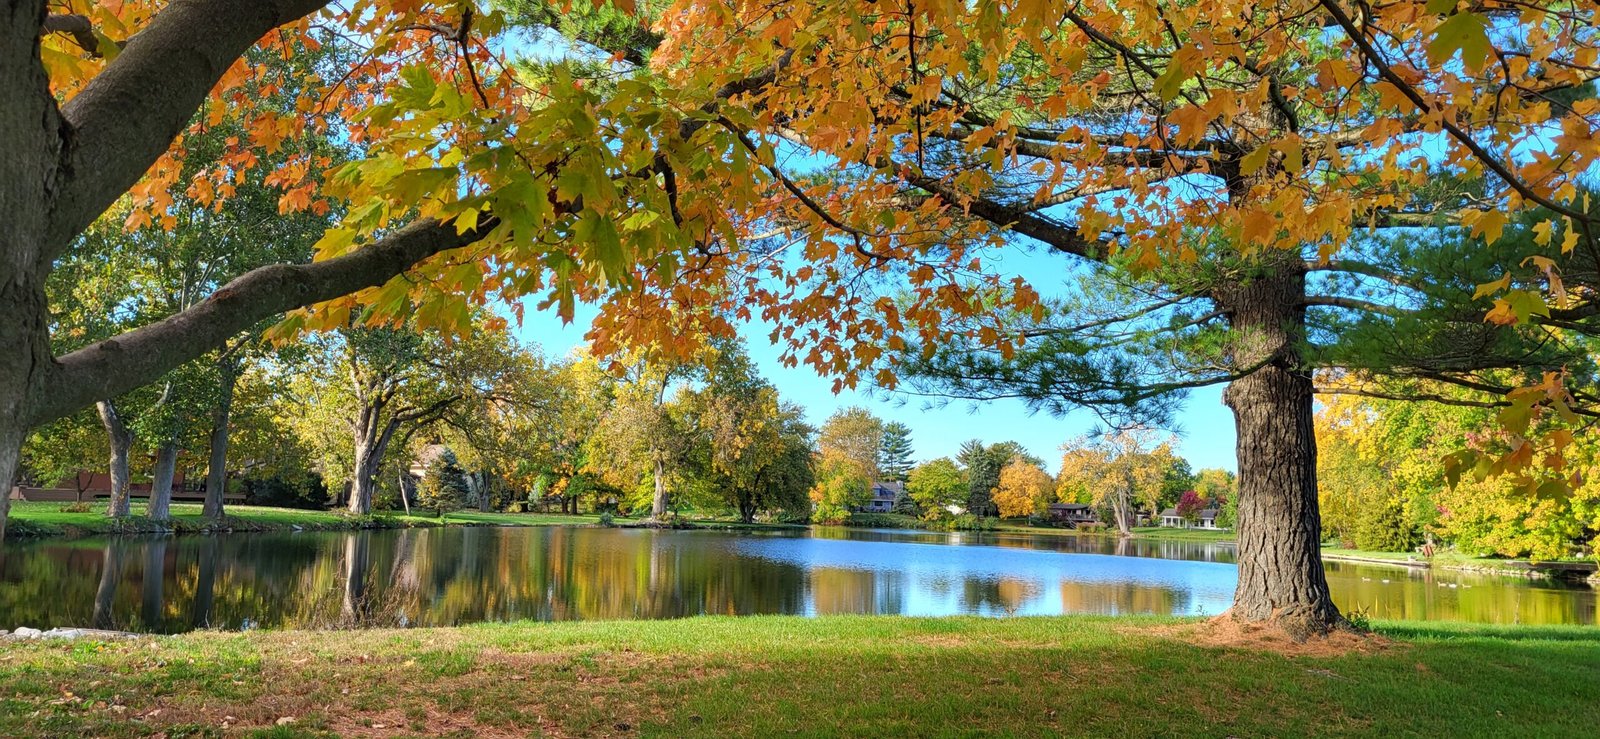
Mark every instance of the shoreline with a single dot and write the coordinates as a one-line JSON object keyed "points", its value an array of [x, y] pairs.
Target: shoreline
{"points": [[38, 521]]}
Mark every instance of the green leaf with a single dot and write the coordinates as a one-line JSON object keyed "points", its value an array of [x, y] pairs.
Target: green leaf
{"points": [[1170, 83], [1526, 303], [1464, 32]]}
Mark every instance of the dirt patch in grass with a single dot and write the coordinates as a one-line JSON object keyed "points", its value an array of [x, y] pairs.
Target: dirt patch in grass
{"points": [[1227, 633]]}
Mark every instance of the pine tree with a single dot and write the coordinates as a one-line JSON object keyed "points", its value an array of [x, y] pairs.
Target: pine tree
{"points": [[894, 454], [444, 485]]}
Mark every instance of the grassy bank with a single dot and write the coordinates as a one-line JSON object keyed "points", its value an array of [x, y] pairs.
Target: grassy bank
{"points": [[1154, 533], [764, 676], [30, 519]]}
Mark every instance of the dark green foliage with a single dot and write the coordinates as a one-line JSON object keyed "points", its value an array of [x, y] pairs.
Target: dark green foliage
{"points": [[983, 465], [304, 490], [443, 486], [894, 456]]}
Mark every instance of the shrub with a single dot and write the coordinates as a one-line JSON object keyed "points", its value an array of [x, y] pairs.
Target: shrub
{"points": [[607, 520], [78, 507], [969, 522]]}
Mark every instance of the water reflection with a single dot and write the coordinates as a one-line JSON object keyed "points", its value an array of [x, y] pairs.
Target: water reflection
{"points": [[451, 576]]}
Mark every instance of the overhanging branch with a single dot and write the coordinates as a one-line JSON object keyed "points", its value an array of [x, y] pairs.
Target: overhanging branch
{"points": [[115, 366]]}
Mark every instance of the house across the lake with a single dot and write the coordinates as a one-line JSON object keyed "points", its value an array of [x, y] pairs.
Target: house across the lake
{"points": [[1072, 514], [884, 494], [1205, 519], [87, 487]]}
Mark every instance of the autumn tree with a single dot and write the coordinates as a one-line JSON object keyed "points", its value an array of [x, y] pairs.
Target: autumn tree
{"points": [[1023, 490], [854, 436], [640, 437], [1253, 141], [936, 485], [1118, 469], [756, 450], [983, 464]]}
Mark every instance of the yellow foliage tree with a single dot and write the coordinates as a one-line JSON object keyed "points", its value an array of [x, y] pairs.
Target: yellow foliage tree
{"points": [[1024, 490]]}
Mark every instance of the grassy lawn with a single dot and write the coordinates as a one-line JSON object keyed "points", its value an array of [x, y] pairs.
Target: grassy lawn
{"points": [[47, 519], [766, 676]]}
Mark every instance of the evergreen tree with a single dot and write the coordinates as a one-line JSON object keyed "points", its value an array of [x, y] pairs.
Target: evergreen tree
{"points": [[444, 484], [894, 454]]}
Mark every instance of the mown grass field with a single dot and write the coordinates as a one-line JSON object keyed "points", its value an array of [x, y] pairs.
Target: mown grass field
{"points": [[48, 519], [781, 676]]}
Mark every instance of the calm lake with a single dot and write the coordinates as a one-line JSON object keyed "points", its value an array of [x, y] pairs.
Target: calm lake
{"points": [[433, 577]]}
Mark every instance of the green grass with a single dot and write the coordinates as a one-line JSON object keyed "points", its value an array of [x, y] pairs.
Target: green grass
{"points": [[48, 519], [771, 676]]}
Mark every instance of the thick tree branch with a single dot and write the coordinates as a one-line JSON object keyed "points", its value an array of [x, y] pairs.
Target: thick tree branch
{"points": [[129, 114], [76, 26], [140, 356]]}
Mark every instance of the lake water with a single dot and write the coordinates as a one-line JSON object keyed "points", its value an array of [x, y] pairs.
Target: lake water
{"points": [[460, 575]]}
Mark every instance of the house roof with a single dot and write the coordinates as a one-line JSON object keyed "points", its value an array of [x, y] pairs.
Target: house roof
{"points": [[1068, 507], [1204, 513]]}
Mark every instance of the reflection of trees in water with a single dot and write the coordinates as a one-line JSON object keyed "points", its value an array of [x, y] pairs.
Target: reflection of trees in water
{"points": [[1429, 595], [151, 579], [839, 590], [446, 576], [105, 593], [996, 594], [1113, 598]]}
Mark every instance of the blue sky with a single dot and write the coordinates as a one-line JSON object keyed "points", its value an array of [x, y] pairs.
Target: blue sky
{"points": [[1205, 426]]}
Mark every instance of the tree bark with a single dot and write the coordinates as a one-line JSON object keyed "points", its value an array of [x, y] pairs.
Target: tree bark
{"points": [[121, 440], [159, 506], [370, 447], [221, 418], [1281, 580], [658, 505], [30, 152]]}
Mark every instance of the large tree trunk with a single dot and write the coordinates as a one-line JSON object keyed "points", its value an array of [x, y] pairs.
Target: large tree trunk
{"points": [[120, 440], [160, 505], [217, 467], [370, 447], [1119, 511], [30, 154], [658, 505], [1281, 579]]}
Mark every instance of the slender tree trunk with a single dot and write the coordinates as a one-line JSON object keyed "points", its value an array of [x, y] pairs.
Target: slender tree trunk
{"points": [[407, 489], [658, 506], [1281, 579], [120, 440], [159, 506], [217, 466]]}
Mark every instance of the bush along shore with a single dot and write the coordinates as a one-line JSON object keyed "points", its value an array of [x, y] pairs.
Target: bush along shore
{"points": [[779, 675]]}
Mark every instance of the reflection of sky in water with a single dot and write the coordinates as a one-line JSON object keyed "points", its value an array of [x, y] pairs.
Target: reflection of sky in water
{"points": [[935, 579], [430, 577]]}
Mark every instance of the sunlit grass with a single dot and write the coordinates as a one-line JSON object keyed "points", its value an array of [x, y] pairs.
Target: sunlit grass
{"points": [[48, 519], [766, 676]]}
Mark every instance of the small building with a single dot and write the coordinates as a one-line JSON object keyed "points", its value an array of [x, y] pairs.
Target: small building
{"points": [[1072, 514], [1206, 518], [884, 495]]}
